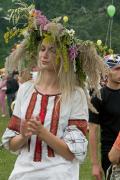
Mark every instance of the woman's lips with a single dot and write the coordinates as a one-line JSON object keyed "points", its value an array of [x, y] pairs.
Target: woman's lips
{"points": [[44, 62]]}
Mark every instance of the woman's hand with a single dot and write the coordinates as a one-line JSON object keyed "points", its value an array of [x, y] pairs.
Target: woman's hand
{"points": [[24, 130], [34, 126]]}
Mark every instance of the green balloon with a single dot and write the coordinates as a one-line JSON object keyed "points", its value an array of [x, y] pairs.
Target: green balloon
{"points": [[111, 10]]}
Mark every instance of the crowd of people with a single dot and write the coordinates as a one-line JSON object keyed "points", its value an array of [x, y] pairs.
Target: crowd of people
{"points": [[47, 129], [9, 85]]}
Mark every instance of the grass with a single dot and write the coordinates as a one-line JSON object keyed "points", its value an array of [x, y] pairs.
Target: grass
{"points": [[7, 159]]}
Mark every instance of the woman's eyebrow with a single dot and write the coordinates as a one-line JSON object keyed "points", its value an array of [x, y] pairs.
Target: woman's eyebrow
{"points": [[42, 45], [52, 47]]}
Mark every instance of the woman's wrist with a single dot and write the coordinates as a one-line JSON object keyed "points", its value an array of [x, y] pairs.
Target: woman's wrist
{"points": [[42, 132], [24, 138]]}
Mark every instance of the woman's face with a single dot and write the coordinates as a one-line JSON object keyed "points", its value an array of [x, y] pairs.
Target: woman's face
{"points": [[47, 57]]}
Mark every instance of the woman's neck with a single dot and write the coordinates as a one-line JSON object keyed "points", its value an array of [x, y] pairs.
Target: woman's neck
{"points": [[49, 83]]}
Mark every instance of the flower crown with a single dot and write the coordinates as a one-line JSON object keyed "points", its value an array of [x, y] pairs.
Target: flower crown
{"points": [[39, 27], [82, 54]]}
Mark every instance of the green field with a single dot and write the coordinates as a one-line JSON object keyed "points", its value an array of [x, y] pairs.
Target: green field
{"points": [[7, 159]]}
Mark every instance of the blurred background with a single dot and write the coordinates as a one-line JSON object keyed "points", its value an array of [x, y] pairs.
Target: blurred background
{"points": [[89, 18]]}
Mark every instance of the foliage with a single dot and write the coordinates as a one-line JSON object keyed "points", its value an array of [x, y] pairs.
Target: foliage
{"points": [[88, 18]]}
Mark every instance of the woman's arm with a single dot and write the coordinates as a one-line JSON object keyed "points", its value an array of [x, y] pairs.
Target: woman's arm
{"points": [[17, 142], [35, 127], [20, 140], [57, 144]]}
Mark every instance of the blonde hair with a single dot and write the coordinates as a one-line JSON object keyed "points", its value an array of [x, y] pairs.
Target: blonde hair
{"points": [[91, 68], [67, 80]]}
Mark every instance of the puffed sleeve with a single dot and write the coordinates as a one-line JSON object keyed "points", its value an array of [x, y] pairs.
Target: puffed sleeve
{"points": [[76, 141], [79, 111], [74, 135], [13, 128]]}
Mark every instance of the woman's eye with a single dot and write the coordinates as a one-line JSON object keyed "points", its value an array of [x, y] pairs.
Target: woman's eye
{"points": [[53, 50], [42, 49]]}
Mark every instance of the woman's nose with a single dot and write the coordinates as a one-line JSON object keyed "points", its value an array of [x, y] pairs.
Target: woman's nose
{"points": [[45, 54]]}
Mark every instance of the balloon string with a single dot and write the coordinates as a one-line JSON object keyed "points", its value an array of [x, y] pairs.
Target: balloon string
{"points": [[107, 32], [111, 32]]}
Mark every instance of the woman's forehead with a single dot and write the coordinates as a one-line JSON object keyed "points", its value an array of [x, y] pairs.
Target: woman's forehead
{"points": [[48, 40], [48, 44]]}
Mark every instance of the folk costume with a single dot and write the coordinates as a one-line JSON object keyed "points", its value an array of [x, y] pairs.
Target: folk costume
{"points": [[66, 120], [67, 117]]}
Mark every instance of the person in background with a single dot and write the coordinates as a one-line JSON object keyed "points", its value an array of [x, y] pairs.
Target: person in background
{"points": [[113, 171], [108, 117], [114, 154], [24, 76], [3, 95], [11, 89]]}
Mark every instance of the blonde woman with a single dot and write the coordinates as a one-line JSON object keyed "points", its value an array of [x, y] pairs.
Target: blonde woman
{"points": [[49, 120]]}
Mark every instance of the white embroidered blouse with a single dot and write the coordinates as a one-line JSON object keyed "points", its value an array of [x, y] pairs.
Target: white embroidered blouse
{"points": [[67, 120]]}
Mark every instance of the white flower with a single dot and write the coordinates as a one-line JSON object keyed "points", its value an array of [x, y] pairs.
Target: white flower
{"points": [[71, 32], [25, 33]]}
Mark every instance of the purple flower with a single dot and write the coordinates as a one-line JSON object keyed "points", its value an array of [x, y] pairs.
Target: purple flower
{"points": [[73, 52], [41, 20]]}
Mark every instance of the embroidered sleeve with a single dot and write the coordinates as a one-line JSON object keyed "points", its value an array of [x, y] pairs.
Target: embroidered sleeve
{"points": [[14, 124], [117, 142], [74, 135], [13, 128], [79, 111], [76, 142], [81, 124], [8, 134]]}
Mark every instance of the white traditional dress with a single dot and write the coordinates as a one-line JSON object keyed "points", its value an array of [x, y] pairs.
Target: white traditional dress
{"points": [[67, 120]]}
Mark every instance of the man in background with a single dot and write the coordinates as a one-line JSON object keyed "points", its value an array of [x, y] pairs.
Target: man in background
{"points": [[108, 118], [12, 87]]}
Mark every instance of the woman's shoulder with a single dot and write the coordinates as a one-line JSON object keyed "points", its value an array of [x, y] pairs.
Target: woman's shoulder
{"points": [[78, 91], [27, 86]]}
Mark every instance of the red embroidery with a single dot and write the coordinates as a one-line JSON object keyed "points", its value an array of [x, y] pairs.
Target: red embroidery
{"points": [[80, 123], [14, 123], [29, 112], [31, 106], [54, 122], [38, 146]]}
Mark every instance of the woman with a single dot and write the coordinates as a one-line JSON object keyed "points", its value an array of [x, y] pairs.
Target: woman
{"points": [[49, 120]]}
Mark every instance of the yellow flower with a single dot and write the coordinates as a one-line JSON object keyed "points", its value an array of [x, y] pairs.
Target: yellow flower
{"points": [[110, 51], [65, 19], [99, 42]]}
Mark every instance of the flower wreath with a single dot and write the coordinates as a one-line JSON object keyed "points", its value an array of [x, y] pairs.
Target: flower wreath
{"points": [[83, 54]]}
